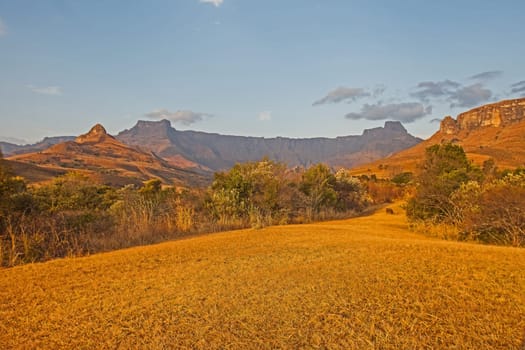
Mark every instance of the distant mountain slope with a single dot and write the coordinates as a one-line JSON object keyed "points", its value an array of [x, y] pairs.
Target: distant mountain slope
{"points": [[216, 152], [494, 131], [107, 160], [10, 149]]}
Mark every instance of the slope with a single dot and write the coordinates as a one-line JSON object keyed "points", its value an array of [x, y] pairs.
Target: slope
{"points": [[10, 149], [107, 160], [364, 283], [494, 131]]}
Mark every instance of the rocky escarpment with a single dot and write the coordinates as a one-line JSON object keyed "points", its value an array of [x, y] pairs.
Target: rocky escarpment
{"points": [[218, 152], [495, 115]]}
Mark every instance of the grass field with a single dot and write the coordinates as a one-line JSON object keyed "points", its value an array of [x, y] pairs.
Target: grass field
{"points": [[363, 283]]}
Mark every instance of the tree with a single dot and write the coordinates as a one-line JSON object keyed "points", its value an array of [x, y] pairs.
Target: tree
{"points": [[250, 190], [493, 212], [318, 184], [350, 192], [445, 168]]}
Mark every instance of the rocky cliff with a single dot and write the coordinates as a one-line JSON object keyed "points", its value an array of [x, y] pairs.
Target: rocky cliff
{"points": [[498, 114]]}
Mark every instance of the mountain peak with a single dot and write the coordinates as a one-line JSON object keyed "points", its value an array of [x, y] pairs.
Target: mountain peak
{"points": [[147, 129], [395, 126], [164, 123], [97, 134]]}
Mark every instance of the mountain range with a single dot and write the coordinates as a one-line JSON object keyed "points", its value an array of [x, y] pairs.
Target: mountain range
{"points": [[219, 152], [154, 149]]}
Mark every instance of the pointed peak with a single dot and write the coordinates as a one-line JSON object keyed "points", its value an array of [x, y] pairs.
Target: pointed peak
{"points": [[97, 130], [96, 134]]}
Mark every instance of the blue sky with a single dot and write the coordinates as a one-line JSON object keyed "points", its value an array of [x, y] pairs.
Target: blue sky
{"points": [[297, 68]]}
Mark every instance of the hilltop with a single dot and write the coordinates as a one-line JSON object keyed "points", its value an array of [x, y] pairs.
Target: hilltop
{"points": [[105, 159], [494, 131], [363, 283]]}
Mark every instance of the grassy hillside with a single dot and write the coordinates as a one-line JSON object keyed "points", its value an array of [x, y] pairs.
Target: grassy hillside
{"points": [[505, 145], [364, 283]]}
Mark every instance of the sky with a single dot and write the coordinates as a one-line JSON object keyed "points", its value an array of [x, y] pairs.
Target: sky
{"points": [[292, 68]]}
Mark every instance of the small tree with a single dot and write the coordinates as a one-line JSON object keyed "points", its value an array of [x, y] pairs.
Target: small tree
{"points": [[445, 168], [350, 191], [318, 184], [494, 212], [250, 191]]}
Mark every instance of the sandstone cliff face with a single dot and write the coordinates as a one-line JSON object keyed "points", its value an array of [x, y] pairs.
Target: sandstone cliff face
{"points": [[496, 115]]}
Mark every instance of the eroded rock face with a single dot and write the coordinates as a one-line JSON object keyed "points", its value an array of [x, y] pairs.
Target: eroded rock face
{"points": [[449, 126], [496, 115]]}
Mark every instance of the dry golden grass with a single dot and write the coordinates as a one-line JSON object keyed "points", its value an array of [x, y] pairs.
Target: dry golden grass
{"points": [[364, 283]]}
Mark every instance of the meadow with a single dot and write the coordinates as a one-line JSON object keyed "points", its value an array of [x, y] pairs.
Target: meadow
{"points": [[361, 283]]}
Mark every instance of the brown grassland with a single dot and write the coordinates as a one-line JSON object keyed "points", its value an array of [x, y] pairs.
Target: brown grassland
{"points": [[363, 283]]}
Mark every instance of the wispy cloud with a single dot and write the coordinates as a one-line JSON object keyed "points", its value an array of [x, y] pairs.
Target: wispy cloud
{"points": [[484, 76], [404, 112], [378, 91], [265, 116], [182, 116], [518, 87], [342, 94], [434, 89], [454, 92], [470, 96], [216, 3], [46, 90]]}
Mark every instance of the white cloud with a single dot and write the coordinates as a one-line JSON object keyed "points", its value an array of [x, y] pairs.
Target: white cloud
{"points": [[216, 3], [46, 90], [183, 117], [3, 28], [265, 116], [343, 94]]}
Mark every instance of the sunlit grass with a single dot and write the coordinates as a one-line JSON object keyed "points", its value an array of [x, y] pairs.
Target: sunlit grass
{"points": [[364, 283]]}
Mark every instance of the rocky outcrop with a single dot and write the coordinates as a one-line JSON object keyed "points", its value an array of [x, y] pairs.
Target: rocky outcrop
{"points": [[97, 134], [492, 115], [449, 126]]}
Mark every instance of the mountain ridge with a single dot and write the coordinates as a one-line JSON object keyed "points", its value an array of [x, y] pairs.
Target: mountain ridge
{"points": [[218, 152]]}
